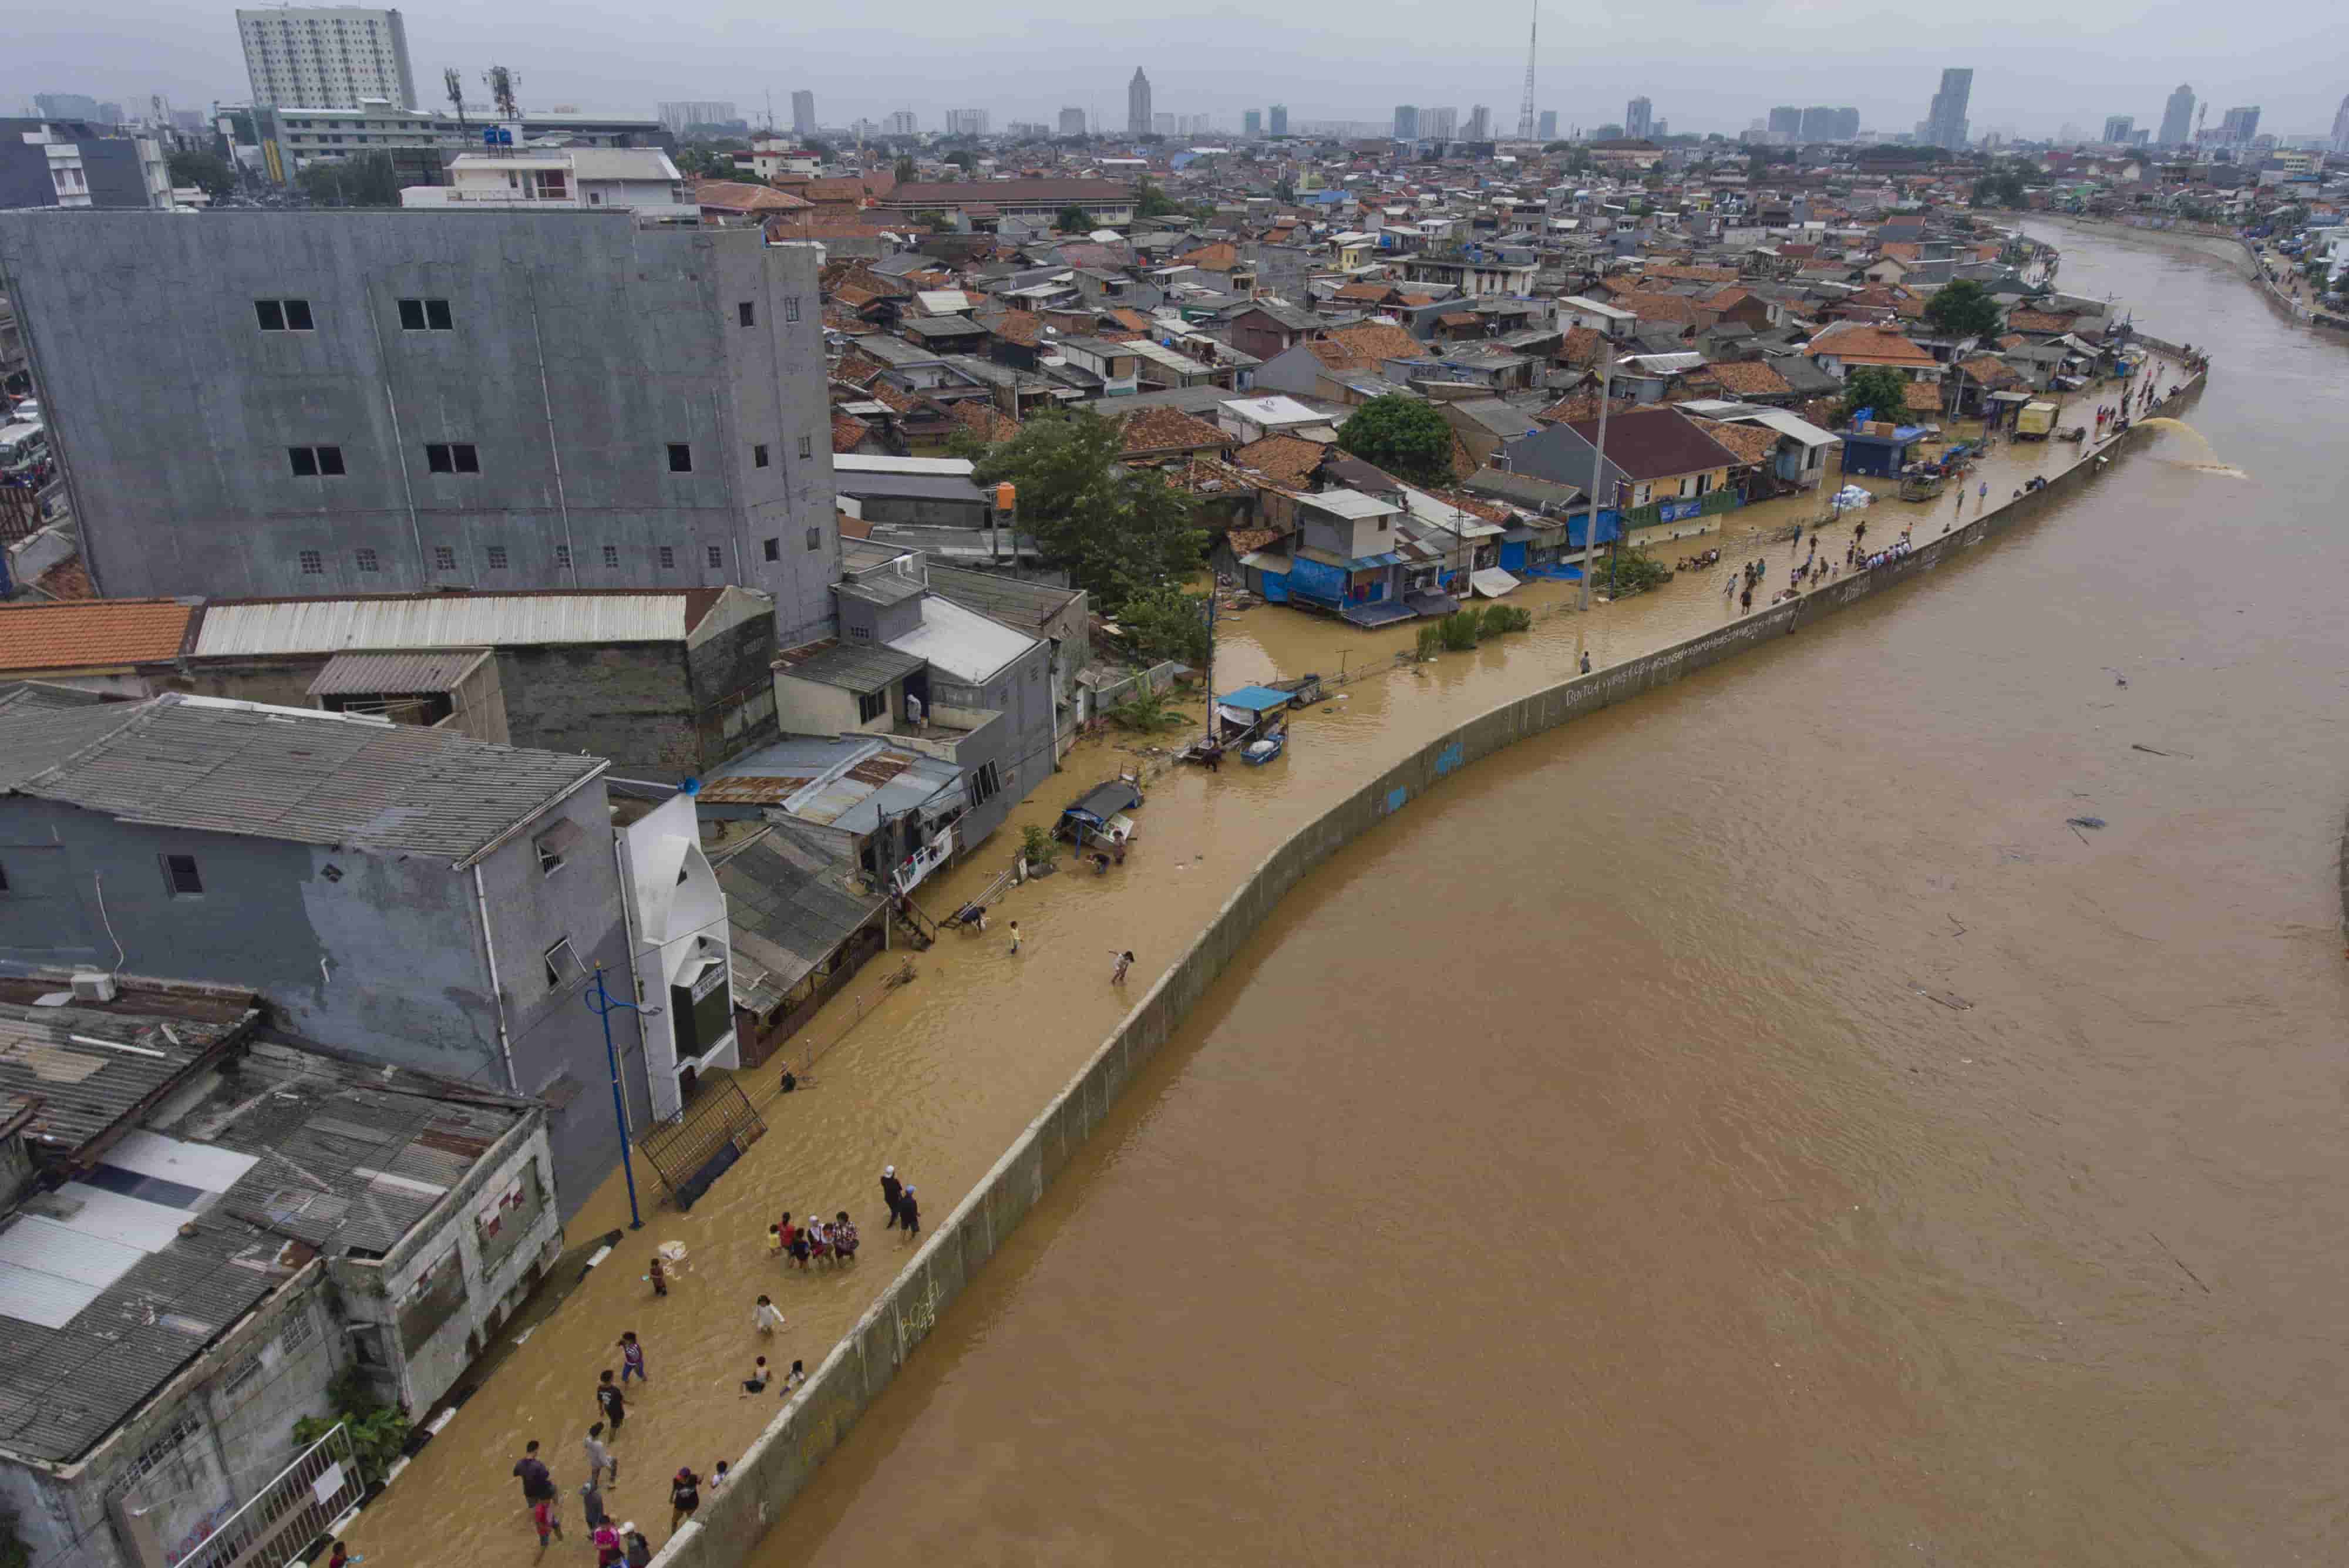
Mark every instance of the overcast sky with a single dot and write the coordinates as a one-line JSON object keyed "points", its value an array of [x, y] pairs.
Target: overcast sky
{"points": [[1708, 65]]}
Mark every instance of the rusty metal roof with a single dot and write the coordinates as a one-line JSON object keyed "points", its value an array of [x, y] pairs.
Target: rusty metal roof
{"points": [[375, 674]]}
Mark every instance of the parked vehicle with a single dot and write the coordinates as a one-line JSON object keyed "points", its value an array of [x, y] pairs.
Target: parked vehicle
{"points": [[21, 446], [2035, 422]]}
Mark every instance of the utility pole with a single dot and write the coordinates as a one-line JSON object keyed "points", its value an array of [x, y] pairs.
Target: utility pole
{"points": [[1598, 473], [603, 1003]]}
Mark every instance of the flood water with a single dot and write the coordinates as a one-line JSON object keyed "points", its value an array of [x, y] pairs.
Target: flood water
{"points": [[1571, 1163], [1591, 1164]]}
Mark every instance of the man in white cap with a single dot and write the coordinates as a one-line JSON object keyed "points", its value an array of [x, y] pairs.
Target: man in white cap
{"points": [[891, 1194]]}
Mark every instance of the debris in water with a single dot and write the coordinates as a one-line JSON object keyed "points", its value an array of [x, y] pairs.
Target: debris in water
{"points": [[2085, 821], [1947, 999], [2158, 752]]}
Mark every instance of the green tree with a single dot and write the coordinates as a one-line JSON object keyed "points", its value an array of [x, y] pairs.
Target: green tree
{"points": [[1963, 308], [1165, 622], [905, 170], [366, 180], [1119, 534], [964, 160], [207, 171], [1874, 387], [378, 1431], [1071, 219], [938, 221], [1405, 436], [1150, 201]]}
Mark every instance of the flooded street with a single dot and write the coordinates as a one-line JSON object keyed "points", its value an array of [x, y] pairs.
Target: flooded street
{"points": [[1573, 1159], [1573, 1170]]}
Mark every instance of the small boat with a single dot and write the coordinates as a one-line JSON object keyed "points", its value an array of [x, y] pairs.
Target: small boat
{"points": [[1259, 752]]}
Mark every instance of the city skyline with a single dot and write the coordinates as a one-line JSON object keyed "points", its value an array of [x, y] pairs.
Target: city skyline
{"points": [[125, 49]]}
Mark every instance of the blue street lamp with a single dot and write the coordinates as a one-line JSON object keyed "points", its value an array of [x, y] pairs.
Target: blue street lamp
{"points": [[602, 1003]]}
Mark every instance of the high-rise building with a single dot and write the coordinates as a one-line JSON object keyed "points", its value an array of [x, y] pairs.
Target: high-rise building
{"points": [[65, 106], [1821, 123], [1138, 118], [1786, 120], [965, 122], [1480, 124], [2119, 129], [1406, 123], [1277, 118], [678, 116], [803, 113], [901, 122], [1547, 127], [2178, 118], [2341, 127], [2241, 125], [1439, 124], [1072, 122], [1162, 124], [1660, 129], [1252, 123], [326, 57], [1638, 118], [423, 444], [1945, 121]]}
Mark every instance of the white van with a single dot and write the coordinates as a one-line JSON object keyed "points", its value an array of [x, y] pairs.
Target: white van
{"points": [[20, 445]]}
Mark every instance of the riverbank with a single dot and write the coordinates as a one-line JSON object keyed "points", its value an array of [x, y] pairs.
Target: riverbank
{"points": [[2228, 248], [945, 1074], [779, 1463]]}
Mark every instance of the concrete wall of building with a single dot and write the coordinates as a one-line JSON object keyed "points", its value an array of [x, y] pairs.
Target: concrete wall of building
{"points": [[498, 1272], [1019, 742], [384, 958], [773, 1471], [201, 1445], [111, 166], [582, 346], [556, 1042], [812, 708]]}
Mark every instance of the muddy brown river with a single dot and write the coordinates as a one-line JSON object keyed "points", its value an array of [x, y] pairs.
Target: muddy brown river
{"points": [[1746, 1126], [1575, 1172]]}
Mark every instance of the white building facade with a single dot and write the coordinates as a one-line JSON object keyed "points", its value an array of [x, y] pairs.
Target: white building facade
{"points": [[332, 55]]}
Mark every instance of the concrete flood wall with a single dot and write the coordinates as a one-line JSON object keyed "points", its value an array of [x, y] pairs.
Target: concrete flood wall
{"points": [[788, 1453]]}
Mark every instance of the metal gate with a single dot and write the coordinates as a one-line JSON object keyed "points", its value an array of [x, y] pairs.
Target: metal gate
{"points": [[688, 1152], [294, 1509]]}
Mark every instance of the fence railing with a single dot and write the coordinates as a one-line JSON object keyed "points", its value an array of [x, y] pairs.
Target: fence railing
{"points": [[298, 1505]]}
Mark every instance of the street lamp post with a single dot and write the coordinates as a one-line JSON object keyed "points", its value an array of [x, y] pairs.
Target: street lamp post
{"points": [[1598, 473], [602, 1003]]}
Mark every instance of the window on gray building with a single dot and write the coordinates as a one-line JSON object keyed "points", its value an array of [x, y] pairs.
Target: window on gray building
{"points": [[758, 456], [313, 564], [815, 537], [748, 313], [562, 556], [425, 315], [368, 562], [807, 448], [497, 557], [668, 556], [283, 315], [451, 457], [717, 556], [611, 554], [681, 457], [444, 559], [771, 549], [984, 785], [562, 964], [313, 462], [790, 307], [181, 877], [871, 705]]}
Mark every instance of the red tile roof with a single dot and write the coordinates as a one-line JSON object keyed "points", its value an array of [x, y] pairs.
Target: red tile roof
{"points": [[1287, 461], [1166, 429], [91, 633], [1747, 378], [984, 421], [847, 431], [1656, 442], [740, 196]]}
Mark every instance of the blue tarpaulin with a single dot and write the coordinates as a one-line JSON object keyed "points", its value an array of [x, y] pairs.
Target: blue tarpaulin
{"points": [[1256, 699]]}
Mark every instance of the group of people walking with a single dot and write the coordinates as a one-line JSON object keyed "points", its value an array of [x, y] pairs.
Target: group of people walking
{"points": [[832, 1240]]}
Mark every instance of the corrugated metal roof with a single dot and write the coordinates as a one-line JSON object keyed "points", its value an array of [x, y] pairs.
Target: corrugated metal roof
{"points": [[962, 643], [184, 762], [789, 905], [1027, 606], [83, 1088], [260, 626], [375, 674], [316, 1128], [861, 667]]}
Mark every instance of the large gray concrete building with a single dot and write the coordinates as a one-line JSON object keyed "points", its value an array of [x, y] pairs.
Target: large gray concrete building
{"points": [[403, 893], [332, 402]]}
